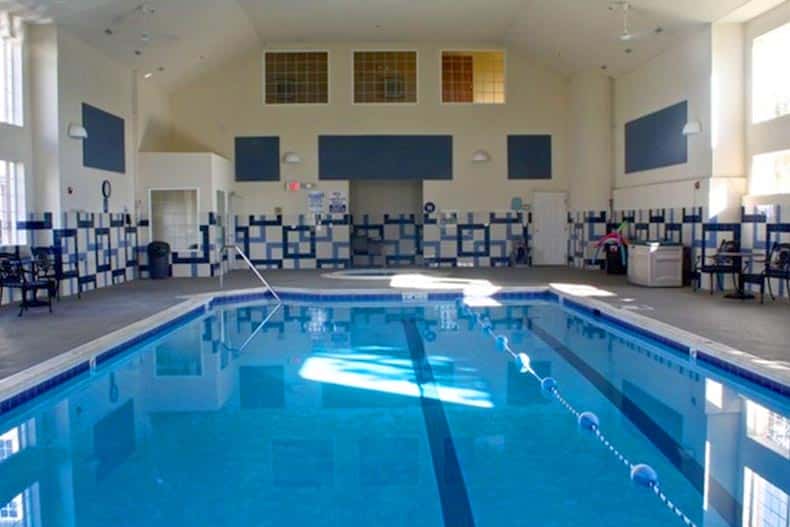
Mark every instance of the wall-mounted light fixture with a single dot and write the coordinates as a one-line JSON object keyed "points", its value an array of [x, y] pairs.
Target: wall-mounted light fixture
{"points": [[291, 158], [692, 128], [481, 156], [77, 131]]}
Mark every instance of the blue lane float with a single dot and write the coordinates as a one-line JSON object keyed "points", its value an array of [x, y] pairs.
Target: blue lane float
{"points": [[548, 384], [644, 475], [589, 421]]}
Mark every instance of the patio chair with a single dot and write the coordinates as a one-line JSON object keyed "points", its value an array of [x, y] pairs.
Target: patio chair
{"points": [[47, 269], [716, 265], [777, 266], [15, 275]]}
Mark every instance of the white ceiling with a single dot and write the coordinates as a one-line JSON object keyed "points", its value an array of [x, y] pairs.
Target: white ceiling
{"points": [[187, 36]]}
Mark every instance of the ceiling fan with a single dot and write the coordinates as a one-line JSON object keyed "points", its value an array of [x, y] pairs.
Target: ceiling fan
{"points": [[627, 35]]}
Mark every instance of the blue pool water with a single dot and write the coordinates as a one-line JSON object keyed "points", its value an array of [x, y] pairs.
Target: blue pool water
{"points": [[394, 416]]}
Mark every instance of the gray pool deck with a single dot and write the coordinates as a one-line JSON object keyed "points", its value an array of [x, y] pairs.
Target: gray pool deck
{"points": [[762, 330]]}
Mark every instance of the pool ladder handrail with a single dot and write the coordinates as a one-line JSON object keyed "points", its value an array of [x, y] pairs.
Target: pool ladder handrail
{"points": [[252, 267]]}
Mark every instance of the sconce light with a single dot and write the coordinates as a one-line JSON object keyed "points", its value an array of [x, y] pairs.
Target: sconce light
{"points": [[77, 131], [692, 128], [481, 156], [291, 158]]}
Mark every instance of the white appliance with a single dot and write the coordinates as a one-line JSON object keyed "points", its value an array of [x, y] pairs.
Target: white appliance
{"points": [[655, 265]]}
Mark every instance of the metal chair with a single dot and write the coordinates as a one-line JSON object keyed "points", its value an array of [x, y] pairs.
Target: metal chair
{"points": [[720, 265], [46, 268], [14, 275], [777, 266]]}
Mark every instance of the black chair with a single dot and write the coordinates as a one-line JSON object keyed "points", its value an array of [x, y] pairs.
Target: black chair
{"points": [[15, 274], [777, 266], [47, 269], [717, 265]]}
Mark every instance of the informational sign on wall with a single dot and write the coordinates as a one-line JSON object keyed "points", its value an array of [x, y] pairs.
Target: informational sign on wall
{"points": [[338, 203], [315, 202]]}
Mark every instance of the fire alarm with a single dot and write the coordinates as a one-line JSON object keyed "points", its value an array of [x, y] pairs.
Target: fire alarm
{"points": [[697, 185], [70, 190]]}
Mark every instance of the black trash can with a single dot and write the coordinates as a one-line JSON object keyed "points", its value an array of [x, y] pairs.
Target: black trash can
{"points": [[158, 260]]}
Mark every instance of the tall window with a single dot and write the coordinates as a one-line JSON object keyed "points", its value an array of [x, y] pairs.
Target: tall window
{"points": [[10, 71], [473, 77], [296, 77], [12, 203], [770, 75], [385, 77], [770, 173]]}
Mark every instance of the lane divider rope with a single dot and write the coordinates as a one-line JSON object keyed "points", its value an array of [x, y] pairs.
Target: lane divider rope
{"points": [[640, 473]]}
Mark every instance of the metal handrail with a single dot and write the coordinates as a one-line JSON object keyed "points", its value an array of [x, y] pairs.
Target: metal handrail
{"points": [[250, 265]]}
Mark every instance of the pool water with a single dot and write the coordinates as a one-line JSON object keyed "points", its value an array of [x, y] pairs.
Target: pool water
{"points": [[384, 416]]}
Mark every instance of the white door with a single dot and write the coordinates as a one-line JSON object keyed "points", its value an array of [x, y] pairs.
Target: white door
{"points": [[550, 229]]}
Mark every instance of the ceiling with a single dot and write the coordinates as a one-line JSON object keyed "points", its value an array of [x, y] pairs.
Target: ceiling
{"points": [[187, 36]]}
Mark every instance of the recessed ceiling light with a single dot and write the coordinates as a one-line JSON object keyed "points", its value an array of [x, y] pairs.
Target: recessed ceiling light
{"points": [[148, 75], [604, 67], [108, 31], [160, 69], [659, 29], [628, 50], [138, 52]]}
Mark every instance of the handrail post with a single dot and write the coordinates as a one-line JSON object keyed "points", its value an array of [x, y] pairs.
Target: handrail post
{"points": [[252, 268]]}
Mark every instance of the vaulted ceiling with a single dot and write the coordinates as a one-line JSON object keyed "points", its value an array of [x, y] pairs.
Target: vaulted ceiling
{"points": [[186, 36]]}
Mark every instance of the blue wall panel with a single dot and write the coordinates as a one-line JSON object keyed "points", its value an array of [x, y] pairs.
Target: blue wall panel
{"points": [[382, 157], [656, 140], [105, 147], [257, 159], [529, 157]]}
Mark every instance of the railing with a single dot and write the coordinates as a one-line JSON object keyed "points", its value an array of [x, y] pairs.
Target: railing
{"points": [[250, 265]]}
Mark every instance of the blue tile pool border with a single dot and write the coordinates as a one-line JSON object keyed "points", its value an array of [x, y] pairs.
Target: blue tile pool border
{"points": [[24, 396], [701, 356]]}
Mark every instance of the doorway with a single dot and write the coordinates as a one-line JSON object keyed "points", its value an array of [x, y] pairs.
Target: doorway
{"points": [[375, 243], [550, 233]]}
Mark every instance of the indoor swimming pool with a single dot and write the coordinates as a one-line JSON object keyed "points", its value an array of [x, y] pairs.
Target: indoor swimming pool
{"points": [[425, 414]]}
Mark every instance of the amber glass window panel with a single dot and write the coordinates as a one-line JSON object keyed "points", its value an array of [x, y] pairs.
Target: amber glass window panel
{"points": [[385, 77], [297, 77], [473, 77]]}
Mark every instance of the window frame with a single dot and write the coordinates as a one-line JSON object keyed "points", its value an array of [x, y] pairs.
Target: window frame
{"points": [[753, 119], [18, 236], [297, 104], [467, 50], [12, 54], [416, 52]]}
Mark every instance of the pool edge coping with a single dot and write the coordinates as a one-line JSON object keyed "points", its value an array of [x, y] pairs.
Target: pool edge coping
{"points": [[68, 364]]}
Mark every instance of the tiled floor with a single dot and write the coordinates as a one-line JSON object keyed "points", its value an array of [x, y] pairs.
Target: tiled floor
{"points": [[763, 330]]}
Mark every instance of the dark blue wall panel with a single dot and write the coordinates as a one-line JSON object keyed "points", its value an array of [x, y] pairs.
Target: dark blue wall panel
{"points": [[257, 159], [383, 157], [656, 140], [529, 157], [105, 147]]}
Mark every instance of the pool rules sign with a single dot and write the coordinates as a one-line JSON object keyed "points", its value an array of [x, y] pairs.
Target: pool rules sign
{"points": [[338, 203]]}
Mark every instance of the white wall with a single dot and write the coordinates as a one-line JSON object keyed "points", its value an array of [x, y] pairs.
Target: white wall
{"points": [[591, 141], [176, 171], [769, 136], [44, 174], [86, 75], [227, 102], [154, 116], [681, 73]]}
